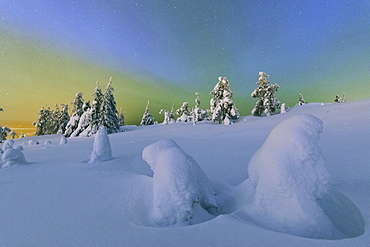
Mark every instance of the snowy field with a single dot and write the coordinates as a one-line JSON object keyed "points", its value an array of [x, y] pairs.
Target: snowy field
{"points": [[301, 188]]}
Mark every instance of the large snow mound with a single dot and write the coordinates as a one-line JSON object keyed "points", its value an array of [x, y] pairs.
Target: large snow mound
{"points": [[178, 183], [289, 175]]}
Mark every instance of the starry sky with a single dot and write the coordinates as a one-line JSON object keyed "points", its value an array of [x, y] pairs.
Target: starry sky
{"points": [[166, 50]]}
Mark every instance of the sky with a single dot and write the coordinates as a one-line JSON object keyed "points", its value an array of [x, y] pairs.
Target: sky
{"points": [[166, 50]]}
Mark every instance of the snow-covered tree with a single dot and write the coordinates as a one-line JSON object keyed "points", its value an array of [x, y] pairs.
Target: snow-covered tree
{"points": [[301, 100], [168, 115], [42, 123], [4, 133], [222, 105], [147, 118], [339, 99], [184, 112], [84, 122], [63, 119], [108, 110], [77, 112], [121, 117], [13, 134], [95, 120], [198, 113], [267, 102]]}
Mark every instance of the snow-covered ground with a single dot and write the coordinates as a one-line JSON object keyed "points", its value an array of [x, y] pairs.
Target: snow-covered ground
{"points": [[59, 198]]}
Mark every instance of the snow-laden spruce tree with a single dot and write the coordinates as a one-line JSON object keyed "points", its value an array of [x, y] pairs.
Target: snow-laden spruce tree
{"points": [[178, 183], [184, 112], [108, 110], [222, 105], [42, 124], [301, 100], [147, 118], [267, 102], [77, 111], [84, 122], [120, 117], [4, 133], [95, 118], [63, 119]]}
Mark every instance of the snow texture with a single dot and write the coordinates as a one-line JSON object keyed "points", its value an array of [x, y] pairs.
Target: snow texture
{"points": [[289, 176], [102, 150], [178, 183]]}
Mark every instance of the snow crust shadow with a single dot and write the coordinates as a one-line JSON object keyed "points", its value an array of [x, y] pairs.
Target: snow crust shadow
{"points": [[287, 191]]}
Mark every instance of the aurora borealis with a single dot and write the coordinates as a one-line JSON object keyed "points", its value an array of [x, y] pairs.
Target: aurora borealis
{"points": [[166, 50]]}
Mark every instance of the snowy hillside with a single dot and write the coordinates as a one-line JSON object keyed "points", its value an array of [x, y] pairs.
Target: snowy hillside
{"points": [[303, 187]]}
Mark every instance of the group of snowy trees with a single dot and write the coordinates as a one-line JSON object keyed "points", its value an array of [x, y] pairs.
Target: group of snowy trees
{"points": [[52, 121], [86, 119]]}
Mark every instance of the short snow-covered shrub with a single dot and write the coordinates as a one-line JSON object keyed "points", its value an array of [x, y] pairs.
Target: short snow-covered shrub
{"points": [[178, 183], [8, 144], [101, 149], [63, 140], [12, 157]]}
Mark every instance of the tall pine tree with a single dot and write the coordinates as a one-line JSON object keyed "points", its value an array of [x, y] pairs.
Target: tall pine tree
{"points": [[222, 106], [77, 112], [95, 120], [108, 110]]}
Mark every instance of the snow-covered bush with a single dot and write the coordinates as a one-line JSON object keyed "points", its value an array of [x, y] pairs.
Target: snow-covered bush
{"points": [[168, 115], [184, 112], [101, 149], [178, 183], [8, 144], [12, 157]]}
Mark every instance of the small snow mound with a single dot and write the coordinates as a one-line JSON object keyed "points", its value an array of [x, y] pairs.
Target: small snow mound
{"points": [[47, 142], [8, 144], [12, 157], [289, 176], [178, 183], [63, 140], [101, 149], [19, 147], [33, 142]]}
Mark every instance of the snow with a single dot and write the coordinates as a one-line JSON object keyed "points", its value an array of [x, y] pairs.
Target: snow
{"points": [[60, 200]]}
